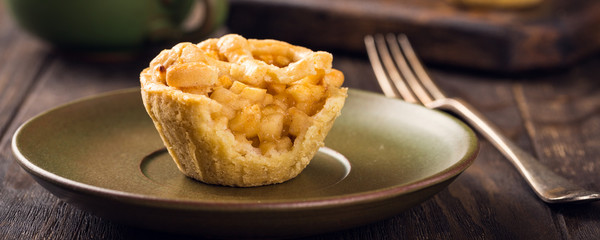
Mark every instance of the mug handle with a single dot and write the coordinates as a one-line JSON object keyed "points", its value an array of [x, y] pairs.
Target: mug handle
{"points": [[214, 15]]}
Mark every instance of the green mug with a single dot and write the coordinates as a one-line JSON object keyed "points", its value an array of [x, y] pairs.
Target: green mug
{"points": [[98, 26]]}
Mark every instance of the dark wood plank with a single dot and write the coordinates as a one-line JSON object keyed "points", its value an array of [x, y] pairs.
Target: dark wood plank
{"points": [[562, 116], [22, 59], [558, 122]]}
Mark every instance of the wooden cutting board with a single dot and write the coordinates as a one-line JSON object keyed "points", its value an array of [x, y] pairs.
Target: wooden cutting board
{"points": [[553, 34]]}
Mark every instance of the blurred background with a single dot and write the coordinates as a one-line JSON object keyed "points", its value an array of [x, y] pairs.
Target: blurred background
{"points": [[493, 35], [496, 35]]}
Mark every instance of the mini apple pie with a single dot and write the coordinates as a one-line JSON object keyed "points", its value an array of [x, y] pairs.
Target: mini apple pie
{"points": [[242, 112]]}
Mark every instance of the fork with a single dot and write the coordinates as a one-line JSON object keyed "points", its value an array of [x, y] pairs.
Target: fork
{"points": [[401, 75]]}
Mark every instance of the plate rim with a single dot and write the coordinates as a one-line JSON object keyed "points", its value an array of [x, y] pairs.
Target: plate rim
{"points": [[248, 205]]}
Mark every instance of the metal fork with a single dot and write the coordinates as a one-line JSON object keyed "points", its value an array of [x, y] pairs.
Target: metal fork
{"points": [[401, 75]]}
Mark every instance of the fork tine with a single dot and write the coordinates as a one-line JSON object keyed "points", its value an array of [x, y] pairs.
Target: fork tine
{"points": [[418, 68], [378, 53], [392, 70], [405, 69], [380, 75]]}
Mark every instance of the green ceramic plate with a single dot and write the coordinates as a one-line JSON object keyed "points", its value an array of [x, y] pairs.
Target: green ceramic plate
{"points": [[102, 154]]}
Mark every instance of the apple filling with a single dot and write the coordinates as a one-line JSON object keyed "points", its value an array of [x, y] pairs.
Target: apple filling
{"points": [[259, 110]]}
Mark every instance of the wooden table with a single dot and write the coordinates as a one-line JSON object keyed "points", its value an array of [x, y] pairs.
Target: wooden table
{"points": [[555, 115]]}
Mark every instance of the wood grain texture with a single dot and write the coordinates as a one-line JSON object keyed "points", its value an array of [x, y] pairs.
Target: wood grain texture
{"points": [[556, 33], [21, 62], [554, 115]]}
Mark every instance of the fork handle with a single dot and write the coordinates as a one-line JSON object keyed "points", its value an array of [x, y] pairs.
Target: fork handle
{"points": [[549, 186]]}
